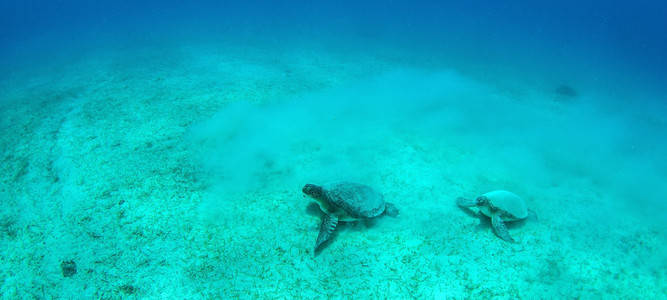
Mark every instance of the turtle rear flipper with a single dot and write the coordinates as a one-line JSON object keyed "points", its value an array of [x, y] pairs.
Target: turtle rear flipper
{"points": [[500, 229], [532, 214], [327, 227], [465, 202], [390, 209]]}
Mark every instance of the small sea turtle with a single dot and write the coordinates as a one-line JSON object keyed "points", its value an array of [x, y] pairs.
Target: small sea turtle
{"points": [[346, 201], [501, 206]]}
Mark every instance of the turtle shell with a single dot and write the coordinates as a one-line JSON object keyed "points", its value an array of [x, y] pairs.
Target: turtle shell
{"points": [[359, 201], [508, 202]]}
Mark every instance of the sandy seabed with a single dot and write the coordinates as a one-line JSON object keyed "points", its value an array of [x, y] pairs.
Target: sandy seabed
{"points": [[135, 175]]}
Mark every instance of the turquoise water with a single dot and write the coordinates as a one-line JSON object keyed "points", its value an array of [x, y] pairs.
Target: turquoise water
{"points": [[158, 151]]}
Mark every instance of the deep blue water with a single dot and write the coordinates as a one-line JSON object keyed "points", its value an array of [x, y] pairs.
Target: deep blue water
{"points": [[623, 36]]}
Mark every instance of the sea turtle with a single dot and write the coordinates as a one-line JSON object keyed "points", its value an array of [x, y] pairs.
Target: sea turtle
{"points": [[346, 201], [501, 206]]}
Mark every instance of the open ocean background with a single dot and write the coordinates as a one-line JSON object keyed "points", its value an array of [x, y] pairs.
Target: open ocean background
{"points": [[157, 149]]}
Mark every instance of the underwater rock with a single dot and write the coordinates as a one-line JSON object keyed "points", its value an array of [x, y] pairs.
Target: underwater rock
{"points": [[566, 91], [68, 268]]}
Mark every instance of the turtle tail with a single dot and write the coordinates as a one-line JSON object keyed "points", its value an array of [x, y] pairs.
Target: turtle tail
{"points": [[327, 227]]}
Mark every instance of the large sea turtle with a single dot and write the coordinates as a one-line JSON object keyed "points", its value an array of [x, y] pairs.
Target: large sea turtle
{"points": [[501, 206], [346, 201]]}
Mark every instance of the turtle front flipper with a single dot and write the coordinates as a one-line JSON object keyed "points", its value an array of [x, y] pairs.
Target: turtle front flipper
{"points": [[500, 229], [465, 202], [327, 227]]}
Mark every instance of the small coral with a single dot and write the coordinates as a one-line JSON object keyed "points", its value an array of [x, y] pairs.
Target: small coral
{"points": [[128, 289]]}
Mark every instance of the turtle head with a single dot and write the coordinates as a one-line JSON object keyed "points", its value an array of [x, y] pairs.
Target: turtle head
{"points": [[482, 201], [314, 191], [319, 194]]}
